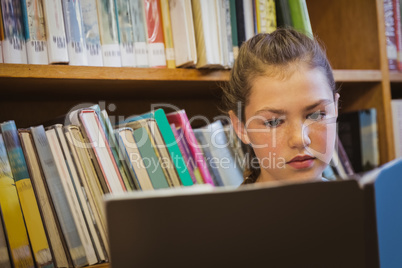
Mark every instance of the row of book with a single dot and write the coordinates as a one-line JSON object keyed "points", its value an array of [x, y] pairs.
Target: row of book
{"points": [[139, 33], [53, 178]]}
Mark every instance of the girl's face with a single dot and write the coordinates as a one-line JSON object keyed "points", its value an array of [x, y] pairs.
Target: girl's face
{"points": [[291, 125]]}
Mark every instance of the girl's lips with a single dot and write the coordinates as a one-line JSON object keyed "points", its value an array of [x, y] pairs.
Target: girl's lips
{"points": [[301, 162]]}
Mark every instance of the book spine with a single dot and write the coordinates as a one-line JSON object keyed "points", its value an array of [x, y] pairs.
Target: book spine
{"points": [[300, 16], [266, 16], [75, 32], [14, 47], [35, 33], [233, 24], [91, 32], [241, 28], [18, 242], [56, 239], [248, 19], [140, 33], [1, 36], [55, 32], [156, 44], [109, 34], [398, 33], [59, 197], [167, 34], [29, 205], [5, 261], [126, 34]]}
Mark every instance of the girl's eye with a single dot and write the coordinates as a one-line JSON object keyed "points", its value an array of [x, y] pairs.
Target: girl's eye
{"points": [[318, 115], [275, 122]]}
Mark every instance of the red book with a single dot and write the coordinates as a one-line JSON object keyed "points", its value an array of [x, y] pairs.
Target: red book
{"points": [[156, 45]]}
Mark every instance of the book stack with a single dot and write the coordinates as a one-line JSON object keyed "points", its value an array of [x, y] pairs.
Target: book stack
{"points": [[139, 33]]}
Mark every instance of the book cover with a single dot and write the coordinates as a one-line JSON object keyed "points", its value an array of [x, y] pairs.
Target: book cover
{"points": [[126, 33], [300, 16], [75, 34], [183, 33], [29, 205], [19, 246], [78, 196], [206, 34], [91, 181], [132, 157], [233, 25], [266, 16], [52, 227], [5, 261], [150, 159], [223, 161], [171, 143], [390, 35], [283, 17], [140, 33], [59, 197], [109, 34], [93, 131], [180, 120], [167, 34], [91, 32], [14, 48], [35, 33], [55, 32], [156, 43]]}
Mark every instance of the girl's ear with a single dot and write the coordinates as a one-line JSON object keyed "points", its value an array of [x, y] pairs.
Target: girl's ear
{"points": [[336, 103], [239, 128]]}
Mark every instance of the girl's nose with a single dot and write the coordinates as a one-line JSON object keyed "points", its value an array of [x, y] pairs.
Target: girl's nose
{"points": [[299, 136]]}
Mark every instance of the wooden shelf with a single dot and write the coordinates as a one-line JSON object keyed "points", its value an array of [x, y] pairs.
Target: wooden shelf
{"points": [[357, 75], [395, 76]]}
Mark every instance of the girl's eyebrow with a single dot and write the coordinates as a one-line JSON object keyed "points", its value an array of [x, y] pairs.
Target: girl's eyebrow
{"points": [[307, 108]]}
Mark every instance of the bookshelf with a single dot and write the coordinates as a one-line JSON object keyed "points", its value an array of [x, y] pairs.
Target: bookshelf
{"points": [[351, 30]]}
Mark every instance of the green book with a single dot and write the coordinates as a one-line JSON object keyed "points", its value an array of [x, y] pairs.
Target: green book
{"points": [[233, 23], [300, 17], [150, 159]]}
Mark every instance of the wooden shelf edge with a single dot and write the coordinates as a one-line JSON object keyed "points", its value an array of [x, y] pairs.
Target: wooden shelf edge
{"points": [[110, 73], [101, 265], [357, 75], [395, 76]]}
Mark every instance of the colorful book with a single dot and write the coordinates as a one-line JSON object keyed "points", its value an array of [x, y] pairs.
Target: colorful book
{"points": [[180, 119], [73, 21], [54, 234], [140, 33], [26, 194], [132, 157], [207, 34], [55, 32], [35, 33], [59, 197], [126, 33], [167, 34], [171, 143], [300, 16], [185, 49], [156, 43], [14, 48], [18, 242], [5, 260], [91, 32], [266, 16], [390, 37], [109, 34], [151, 161]]}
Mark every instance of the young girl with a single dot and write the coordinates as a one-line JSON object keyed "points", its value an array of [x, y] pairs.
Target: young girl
{"points": [[283, 104]]}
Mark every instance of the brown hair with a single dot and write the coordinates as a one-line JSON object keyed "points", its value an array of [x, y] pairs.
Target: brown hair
{"points": [[270, 55]]}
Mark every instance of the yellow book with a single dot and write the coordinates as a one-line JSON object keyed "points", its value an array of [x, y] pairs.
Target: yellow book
{"points": [[167, 34], [29, 206], [265, 16], [13, 220]]}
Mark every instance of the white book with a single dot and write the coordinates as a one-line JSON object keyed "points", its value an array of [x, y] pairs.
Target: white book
{"points": [[126, 33], [35, 33], [396, 106], [65, 175], [206, 34], [140, 33], [14, 48], [55, 32], [75, 32], [91, 30], [109, 35], [222, 32], [1, 51], [181, 17], [228, 32], [248, 18]]}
